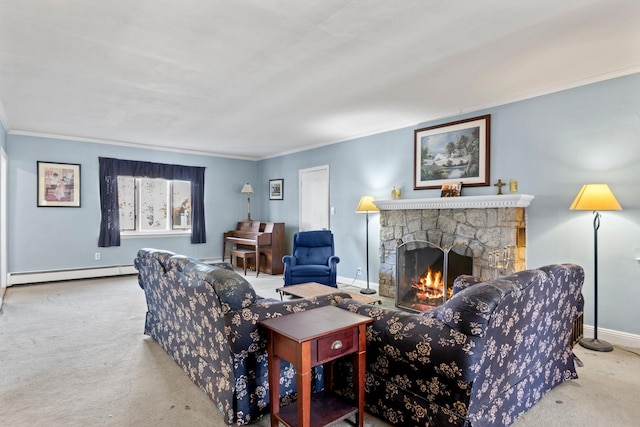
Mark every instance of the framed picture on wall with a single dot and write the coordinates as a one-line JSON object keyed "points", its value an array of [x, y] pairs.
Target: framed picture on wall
{"points": [[58, 185], [456, 151], [276, 189]]}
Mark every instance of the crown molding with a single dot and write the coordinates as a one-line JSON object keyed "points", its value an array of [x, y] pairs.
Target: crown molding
{"points": [[126, 144]]}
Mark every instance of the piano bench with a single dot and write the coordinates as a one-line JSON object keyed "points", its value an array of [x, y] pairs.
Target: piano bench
{"points": [[245, 255]]}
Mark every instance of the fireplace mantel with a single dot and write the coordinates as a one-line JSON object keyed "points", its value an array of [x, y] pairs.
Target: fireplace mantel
{"points": [[463, 202]]}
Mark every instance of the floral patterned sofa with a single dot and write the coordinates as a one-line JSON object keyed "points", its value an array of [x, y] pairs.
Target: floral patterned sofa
{"points": [[206, 317], [481, 359]]}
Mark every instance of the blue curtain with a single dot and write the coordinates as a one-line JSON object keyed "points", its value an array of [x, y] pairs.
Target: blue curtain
{"points": [[109, 217]]}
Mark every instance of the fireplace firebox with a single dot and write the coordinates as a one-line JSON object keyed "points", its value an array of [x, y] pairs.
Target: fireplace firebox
{"points": [[425, 273]]}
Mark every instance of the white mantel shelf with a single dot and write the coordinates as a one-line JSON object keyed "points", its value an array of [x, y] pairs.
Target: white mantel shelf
{"points": [[463, 202]]}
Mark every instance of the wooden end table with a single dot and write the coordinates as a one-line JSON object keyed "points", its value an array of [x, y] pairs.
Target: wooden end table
{"points": [[313, 289], [308, 339]]}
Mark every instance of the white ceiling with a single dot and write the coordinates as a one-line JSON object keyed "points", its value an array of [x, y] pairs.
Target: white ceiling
{"points": [[258, 78]]}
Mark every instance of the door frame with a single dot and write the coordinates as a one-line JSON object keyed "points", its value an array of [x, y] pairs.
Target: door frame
{"points": [[4, 164], [301, 174]]}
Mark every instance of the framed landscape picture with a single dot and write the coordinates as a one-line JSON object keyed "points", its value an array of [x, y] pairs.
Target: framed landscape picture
{"points": [[276, 189], [456, 151], [58, 185]]}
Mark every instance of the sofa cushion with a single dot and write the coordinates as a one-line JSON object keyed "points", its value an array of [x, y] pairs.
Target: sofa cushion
{"points": [[310, 270], [469, 310], [232, 289], [464, 281], [310, 255]]}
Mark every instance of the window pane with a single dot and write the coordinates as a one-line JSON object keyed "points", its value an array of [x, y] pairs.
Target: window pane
{"points": [[181, 197], [127, 202], [153, 204]]}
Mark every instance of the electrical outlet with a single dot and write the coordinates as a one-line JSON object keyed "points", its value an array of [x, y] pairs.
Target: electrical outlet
{"points": [[359, 271], [97, 256]]}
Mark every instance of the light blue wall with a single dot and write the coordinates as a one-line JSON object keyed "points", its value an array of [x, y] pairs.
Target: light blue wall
{"points": [[552, 145], [55, 238]]}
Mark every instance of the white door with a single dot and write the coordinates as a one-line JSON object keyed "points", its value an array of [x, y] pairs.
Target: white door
{"points": [[314, 198], [3, 223]]}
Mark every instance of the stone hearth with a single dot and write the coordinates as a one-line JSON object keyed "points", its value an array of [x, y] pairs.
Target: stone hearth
{"points": [[485, 223]]}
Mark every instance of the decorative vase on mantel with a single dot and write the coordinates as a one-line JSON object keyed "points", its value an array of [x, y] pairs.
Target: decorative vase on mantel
{"points": [[396, 193]]}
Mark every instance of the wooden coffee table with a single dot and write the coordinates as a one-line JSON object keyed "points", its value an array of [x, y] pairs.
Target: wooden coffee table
{"points": [[313, 289], [311, 338]]}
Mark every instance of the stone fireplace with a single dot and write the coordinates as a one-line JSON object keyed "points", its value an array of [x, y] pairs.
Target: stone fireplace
{"points": [[492, 228]]}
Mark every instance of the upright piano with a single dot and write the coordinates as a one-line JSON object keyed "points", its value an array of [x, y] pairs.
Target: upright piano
{"points": [[265, 238]]}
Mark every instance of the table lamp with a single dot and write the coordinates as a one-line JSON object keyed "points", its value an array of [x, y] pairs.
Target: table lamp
{"points": [[248, 191]]}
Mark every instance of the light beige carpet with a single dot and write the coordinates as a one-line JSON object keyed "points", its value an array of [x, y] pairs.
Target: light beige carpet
{"points": [[73, 354]]}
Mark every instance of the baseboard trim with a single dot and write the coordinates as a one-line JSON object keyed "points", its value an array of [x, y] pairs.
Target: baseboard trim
{"points": [[43, 276], [623, 339], [359, 283]]}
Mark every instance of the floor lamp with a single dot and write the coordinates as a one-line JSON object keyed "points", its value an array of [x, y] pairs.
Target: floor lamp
{"points": [[365, 206], [248, 190], [595, 197]]}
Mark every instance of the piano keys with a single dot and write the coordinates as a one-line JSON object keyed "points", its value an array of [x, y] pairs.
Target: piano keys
{"points": [[266, 238]]}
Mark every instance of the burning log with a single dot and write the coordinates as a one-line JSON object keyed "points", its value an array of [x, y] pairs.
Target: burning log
{"points": [[429, 285]]}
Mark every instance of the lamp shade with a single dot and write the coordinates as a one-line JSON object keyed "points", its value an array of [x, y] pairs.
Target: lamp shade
{"points": [[366, 205], [595, 197], [247, 189]]}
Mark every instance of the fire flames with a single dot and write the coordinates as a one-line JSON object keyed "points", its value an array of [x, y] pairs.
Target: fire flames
{"points": [[429, 285]]}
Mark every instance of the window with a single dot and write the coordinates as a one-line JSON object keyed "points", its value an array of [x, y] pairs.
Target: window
{"points": [[154, 206], [111, 169]]}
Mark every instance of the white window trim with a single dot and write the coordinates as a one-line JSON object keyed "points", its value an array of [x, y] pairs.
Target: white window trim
{"points": [[142, 234], [137, 233]]}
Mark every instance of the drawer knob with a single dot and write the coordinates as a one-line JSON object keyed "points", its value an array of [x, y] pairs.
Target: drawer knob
{"points": [[336, 345]]}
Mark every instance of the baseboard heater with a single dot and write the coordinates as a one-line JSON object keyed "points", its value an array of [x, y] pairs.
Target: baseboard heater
{"points": [[69, 274], [76, 273]]}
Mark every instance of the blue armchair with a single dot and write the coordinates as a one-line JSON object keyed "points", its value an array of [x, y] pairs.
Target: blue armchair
{"points": [[313, 259]]}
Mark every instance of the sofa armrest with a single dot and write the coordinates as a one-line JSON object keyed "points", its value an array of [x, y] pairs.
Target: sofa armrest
{"points": [[243, 331], [289, 260], [147, 260], [333, 261], [416, 345]]}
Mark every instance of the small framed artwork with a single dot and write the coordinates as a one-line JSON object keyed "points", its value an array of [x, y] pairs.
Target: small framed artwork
{"points": [[456, 151], [451, 189], [58, 185], [276, 189]]}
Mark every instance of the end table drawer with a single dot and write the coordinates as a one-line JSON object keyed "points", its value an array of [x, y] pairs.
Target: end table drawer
{"points": [[335, 345]]}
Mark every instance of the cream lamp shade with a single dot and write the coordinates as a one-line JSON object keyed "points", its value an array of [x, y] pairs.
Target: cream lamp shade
{"points": [[366, 205], [595, 197], [247, 189]]}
